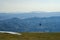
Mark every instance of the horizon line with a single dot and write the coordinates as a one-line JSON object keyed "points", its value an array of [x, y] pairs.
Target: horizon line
{"points": [[30, 11]]}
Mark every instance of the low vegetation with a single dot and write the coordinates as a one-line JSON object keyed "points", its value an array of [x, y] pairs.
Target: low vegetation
{"points": [[31, 36]]}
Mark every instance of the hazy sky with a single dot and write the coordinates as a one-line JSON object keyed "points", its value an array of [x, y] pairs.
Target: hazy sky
{"points": [[29, 5]]}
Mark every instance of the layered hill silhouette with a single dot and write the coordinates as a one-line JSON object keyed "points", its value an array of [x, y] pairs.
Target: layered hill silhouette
{"points": [[4, 16], [33, 24]]}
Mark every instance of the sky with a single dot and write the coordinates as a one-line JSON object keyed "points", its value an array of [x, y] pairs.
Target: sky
{"points": [[29, 5]]}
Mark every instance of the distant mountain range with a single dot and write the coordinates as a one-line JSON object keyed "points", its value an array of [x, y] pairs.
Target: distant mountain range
{"points": [[30, 22], [28, 15]]}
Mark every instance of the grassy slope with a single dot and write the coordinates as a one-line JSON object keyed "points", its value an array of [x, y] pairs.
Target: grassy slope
{"points": [[31, 36]]}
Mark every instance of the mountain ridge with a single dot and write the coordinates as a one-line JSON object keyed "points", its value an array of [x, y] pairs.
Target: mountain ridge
{"points": [[35, 24]]}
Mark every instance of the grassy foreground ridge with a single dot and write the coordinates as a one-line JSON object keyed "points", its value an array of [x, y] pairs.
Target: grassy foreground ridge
{"points": [[31, 36]]}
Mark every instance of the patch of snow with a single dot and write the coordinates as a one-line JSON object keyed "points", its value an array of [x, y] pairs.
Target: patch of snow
{"points": [[10, 32]]}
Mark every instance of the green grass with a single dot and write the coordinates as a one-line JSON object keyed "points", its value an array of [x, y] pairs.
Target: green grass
{"points": [[31, 36]]}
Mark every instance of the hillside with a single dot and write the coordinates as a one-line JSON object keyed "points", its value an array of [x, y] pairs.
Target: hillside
{"points": [[34, 24], [31, 36]]}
